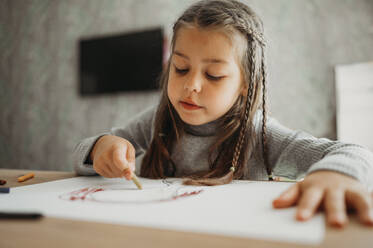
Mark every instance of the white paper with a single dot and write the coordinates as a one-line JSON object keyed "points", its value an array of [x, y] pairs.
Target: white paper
{"points": [[241, 208], [354, 91]]}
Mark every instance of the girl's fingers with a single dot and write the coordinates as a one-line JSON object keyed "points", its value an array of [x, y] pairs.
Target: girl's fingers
{"points": [[121, 163], [130, 158], [308, 203], [115, 171], [131, 153], [108, 170], [127, 174], [102, 170], [335, 208], [362, 201], [287, 198]]}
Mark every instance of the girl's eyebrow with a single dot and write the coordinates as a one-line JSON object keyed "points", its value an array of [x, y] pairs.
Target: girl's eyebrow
{"points": [[204, 60]]}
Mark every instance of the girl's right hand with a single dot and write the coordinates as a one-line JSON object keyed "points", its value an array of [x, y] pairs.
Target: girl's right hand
{"points": [[113, 156]]}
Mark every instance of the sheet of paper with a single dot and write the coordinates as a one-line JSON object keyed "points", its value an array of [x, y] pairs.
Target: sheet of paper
{"points": [[354, 92], [242, 208]]}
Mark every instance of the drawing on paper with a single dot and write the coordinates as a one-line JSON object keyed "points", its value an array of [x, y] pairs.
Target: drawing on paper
{"points": [[161, 191]]}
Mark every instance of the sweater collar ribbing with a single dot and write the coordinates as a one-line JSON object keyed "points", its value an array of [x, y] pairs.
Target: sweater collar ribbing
{"points": [[207, 129]]}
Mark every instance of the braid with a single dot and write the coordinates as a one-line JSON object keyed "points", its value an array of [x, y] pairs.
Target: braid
{"points": [[264, 118], [248, 23], [237, 150], [256, 36]]}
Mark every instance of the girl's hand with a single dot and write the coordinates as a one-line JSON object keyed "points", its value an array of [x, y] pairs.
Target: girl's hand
{"points": [[113, 156], [334, 192]]}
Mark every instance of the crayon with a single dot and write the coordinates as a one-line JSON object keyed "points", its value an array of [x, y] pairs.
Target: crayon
{"points": [[25, 177], [136, 181]]}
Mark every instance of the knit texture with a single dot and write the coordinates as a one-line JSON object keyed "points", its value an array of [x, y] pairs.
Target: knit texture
{"points": [[291, 154]]}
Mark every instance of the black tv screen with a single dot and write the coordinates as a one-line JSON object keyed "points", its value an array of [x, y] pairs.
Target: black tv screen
{"points": [[127, 62]]}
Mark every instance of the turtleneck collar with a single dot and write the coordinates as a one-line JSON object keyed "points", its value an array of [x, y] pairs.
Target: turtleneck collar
{"points": [[207, 129]]}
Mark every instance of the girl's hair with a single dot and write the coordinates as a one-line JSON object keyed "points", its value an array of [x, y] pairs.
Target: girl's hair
{"points": [[236, 126]]}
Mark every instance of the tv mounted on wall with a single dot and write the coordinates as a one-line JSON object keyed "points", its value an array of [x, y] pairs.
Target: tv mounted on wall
{"points": [[121, 63]]}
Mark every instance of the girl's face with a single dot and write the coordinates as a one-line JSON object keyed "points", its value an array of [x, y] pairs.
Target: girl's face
{"points": [[205, 77]]}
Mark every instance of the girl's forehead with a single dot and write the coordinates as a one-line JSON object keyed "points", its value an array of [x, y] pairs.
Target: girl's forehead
{"points": [[212, 42]]}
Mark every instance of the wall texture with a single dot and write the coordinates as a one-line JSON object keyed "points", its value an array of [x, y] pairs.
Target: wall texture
{"points": [[42, 115]]}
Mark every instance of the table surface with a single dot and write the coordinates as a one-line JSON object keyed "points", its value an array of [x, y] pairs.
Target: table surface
{"points": [[72, 233]]}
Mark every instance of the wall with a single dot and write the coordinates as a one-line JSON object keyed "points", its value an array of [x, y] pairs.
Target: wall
{"points": [[42, 116]]}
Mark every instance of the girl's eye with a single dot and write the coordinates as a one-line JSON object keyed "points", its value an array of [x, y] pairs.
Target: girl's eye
{"points": [[185, 71], [181, 71], [210, 77]]}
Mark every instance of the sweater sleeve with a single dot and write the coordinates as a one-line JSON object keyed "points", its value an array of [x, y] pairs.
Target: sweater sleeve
{"points": [[138, 131], [294, 154]]}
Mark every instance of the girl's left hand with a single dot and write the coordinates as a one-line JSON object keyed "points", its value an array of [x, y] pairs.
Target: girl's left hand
{"points": [[334, 192]]}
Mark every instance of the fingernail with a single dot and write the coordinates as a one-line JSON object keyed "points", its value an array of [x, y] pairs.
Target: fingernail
{"points": [[275, 203], [304, 214], [370, 217], [339, 220]]}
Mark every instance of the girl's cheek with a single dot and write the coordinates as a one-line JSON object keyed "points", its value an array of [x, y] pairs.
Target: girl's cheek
{"points": [[169, 89], [172, 90]]}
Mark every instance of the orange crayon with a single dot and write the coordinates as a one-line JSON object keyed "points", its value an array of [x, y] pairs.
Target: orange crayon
{"points": [[25, 177]]}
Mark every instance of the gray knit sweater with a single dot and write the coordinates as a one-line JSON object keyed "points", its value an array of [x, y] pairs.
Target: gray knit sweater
{"points": [[292, 154]]}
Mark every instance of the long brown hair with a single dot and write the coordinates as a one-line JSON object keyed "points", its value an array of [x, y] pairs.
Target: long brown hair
{"points": [[236, 126]]}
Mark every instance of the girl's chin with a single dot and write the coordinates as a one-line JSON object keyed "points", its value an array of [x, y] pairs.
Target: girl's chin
{"points": [[195, 121]]}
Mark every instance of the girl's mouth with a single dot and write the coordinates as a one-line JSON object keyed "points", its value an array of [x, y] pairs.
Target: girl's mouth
{"points": [[189, 106]]}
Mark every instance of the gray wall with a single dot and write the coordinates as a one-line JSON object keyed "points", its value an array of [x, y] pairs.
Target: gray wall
{"points": [[42, 116]]}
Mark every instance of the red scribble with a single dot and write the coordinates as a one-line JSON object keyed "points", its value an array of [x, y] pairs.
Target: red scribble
{"points": [[187, 194], [82, 195]]}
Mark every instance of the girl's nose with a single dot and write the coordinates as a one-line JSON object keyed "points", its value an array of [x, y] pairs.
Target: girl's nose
{"points": [[193, 83]]}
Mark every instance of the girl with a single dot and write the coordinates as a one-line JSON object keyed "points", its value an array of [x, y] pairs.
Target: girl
{"points": [[211, 124]]}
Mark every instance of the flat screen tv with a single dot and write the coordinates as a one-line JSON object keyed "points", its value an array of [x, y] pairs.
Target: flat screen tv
{"points": [[126, 62]]}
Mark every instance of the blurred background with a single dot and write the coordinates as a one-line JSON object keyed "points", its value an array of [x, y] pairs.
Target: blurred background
{"points": [[44, 114]]}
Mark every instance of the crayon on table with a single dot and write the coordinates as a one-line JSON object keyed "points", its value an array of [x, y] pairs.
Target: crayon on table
{"points": [[25, 177]]}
